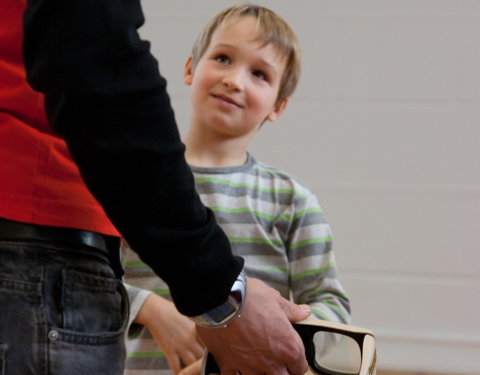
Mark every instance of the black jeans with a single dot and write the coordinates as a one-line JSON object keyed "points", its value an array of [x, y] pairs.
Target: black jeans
{"points": [[62, 311]]}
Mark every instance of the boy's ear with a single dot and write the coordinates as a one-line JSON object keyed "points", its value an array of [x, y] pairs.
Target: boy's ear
{"points": [[277, 110], [187, 72]]}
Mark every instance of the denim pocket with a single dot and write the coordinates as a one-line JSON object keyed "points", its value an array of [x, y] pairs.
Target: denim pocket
{"points": [[71, 353], [92, 340], [91, 303]]}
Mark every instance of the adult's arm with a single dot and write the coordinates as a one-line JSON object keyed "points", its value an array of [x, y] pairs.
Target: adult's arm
{"points": [[105, 96]]}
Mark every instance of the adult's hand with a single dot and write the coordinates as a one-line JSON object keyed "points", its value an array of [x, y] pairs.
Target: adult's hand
{"points": [[262, 340], [173, 332]]}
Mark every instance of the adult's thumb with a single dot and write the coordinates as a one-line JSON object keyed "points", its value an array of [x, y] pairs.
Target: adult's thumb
{"points": [[295, 312]]}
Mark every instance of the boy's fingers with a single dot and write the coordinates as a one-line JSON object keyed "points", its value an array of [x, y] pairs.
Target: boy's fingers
{"points": [[173, 362], [192, 369]]}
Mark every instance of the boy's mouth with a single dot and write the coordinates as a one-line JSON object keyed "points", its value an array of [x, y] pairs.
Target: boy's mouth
{"points": [[227, 100]]}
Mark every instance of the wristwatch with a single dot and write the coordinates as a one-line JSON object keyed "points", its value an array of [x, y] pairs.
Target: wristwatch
{"points": [[228, 311]]}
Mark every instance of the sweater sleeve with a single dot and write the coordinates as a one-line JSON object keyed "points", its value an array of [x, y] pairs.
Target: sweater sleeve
{"points": [[136, 297], [313, 271], [105, 96]]}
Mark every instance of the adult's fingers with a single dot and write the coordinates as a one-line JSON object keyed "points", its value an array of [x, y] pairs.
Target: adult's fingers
{"points": [[294, 312]]}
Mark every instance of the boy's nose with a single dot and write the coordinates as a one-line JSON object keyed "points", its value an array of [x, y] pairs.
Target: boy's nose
{"points": [[233, 79]]}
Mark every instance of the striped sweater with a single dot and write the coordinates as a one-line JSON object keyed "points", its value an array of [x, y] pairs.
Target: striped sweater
{"points": [[276, 224]]}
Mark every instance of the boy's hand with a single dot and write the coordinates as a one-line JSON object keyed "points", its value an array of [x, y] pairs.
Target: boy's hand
{"points": [[173, 332], [193, 369], [262, 340]]}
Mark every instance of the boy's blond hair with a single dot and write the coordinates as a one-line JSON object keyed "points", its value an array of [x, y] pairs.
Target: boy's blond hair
{"points": [[271, 28]]}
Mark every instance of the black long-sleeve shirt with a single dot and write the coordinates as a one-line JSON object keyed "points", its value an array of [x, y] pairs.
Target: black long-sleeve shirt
{"points": [[105, 96]]}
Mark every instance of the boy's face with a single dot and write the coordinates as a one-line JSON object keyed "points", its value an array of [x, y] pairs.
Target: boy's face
{"points": [[234, 85]]}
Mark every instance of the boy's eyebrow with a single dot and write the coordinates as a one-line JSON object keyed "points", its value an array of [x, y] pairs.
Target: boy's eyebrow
{"points": [[269, 66]]}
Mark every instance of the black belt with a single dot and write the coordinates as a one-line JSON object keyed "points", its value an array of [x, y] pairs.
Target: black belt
{"points": [[16, 231]]}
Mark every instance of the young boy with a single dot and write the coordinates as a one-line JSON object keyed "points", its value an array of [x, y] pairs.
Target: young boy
{"points": [[243, 68]]}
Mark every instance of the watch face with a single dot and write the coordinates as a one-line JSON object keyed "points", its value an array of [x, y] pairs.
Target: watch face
{"points": [[222, 312], [227, 311]]}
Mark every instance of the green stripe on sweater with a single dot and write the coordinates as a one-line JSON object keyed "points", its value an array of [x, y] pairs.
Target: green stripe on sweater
{"points": [[306, 273], [243, 184], [311, 241], [145, 355]]}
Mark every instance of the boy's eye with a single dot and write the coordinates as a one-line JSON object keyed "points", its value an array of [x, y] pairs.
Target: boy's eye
{"points": [[222, 59], [259, 74]]}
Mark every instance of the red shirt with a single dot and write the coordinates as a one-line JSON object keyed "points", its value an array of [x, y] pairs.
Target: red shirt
{"points": [[39, 182]]}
